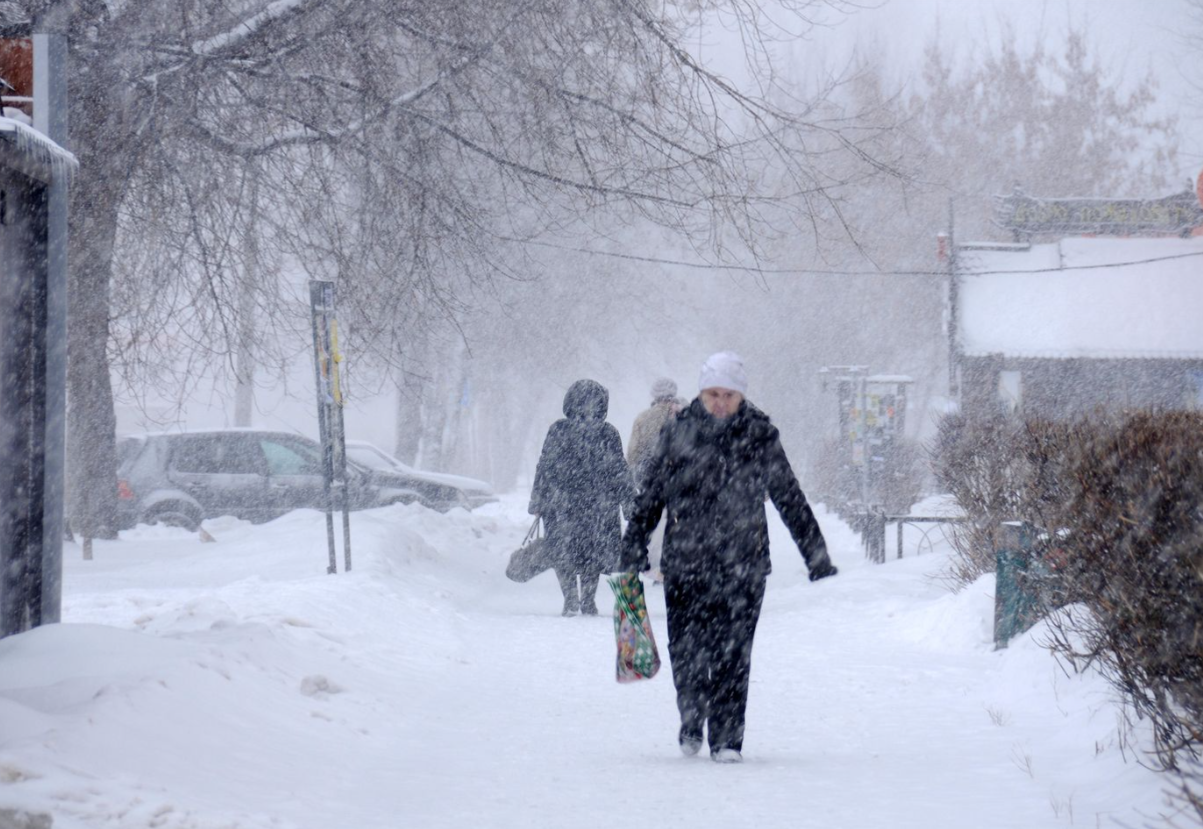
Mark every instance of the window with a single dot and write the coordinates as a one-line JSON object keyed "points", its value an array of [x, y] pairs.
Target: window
{"points": [[128, 449], [216, 454], [291, 458], [1194, 394], [1010, 391], [196, 455]]}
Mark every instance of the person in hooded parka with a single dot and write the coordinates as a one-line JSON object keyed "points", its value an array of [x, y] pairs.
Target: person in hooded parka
{"points": [[582, 484], [715, 465]]}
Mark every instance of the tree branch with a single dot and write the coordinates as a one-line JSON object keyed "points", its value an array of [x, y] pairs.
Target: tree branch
{"points": [[250, 28]]}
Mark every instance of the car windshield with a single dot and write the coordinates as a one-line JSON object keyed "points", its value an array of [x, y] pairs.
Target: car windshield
{"points": [[372, 458], [285, 457]]}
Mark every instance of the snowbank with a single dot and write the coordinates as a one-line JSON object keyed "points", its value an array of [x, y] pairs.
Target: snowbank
{"points": [[236, 684]]}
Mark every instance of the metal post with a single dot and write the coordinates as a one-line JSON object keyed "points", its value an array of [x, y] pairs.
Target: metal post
{"points": [[954, 386], [321, 350], [50, 117], [862, 429], [22, 413], [339, 438]]}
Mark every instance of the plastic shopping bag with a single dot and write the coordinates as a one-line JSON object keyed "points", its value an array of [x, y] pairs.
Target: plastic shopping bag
{"points": [[637, 654]]}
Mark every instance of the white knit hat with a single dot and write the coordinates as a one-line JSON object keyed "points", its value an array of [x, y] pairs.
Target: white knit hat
{"points": [[724, 370]]}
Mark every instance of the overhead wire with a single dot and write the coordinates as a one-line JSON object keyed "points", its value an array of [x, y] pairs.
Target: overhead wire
{"points": [[713, 266]]}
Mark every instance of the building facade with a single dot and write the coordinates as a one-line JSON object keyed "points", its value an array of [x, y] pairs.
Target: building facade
{"points": [[1063, 327]]}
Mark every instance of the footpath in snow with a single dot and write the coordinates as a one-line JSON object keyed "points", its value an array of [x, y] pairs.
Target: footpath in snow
{"points": [[236, 685]]}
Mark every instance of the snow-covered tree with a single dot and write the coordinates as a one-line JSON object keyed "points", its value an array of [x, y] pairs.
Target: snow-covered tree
{"points": [[1056, 123], [395, 144], [1055, 119]]}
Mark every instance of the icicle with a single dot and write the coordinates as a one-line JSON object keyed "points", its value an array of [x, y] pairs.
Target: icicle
{"points": [[62, 163]]}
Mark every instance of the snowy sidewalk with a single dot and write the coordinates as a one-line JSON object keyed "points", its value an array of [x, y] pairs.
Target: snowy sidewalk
{"points": [[236, 685], [877, 701]]}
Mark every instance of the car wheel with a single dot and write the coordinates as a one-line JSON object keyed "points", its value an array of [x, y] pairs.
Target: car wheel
{"points": [[173, 516]]}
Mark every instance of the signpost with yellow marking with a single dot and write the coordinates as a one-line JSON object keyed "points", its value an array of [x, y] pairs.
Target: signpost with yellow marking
{"points": [[327, 359]]}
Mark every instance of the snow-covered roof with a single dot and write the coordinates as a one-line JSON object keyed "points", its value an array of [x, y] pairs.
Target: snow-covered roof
{"points": [[61, 162], [1084, 297]]}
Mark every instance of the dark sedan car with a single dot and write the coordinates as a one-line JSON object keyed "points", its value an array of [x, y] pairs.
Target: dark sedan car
{"points": [[182, 478], [438, 490]]}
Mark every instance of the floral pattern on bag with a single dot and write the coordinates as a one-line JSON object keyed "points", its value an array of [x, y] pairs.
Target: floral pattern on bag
{"points": [[638, 657]]}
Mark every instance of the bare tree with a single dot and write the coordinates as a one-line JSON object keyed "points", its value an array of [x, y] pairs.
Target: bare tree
{"points": [[1055, 123], [397, 144], [1056, 119]]}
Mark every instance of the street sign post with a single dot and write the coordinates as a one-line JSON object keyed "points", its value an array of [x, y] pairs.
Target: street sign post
{"points": [[326, 360]]}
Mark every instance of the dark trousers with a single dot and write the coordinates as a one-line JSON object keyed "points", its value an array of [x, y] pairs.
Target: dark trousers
{"points": [[710, 630], [585, 601], [579, 553]]}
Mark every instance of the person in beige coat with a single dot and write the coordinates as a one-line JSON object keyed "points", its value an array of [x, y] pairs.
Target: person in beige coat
{"points": [[641, 449]]}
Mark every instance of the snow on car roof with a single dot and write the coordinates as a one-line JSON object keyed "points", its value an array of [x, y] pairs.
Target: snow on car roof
{"points": [[216, 431]]}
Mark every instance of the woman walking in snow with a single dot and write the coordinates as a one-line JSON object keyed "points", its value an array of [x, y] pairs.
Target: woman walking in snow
{"points": [[581, 483], [714, 465], [641, 448]]}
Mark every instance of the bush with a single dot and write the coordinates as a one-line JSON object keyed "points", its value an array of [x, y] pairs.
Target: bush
{"points": [[837, 480], [903, 469], [897, 482], [1117, 500], [1132, 536], [1001, 469], [974, 461]]}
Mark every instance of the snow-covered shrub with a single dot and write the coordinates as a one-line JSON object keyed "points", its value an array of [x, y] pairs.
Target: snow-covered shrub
{"points": [[974, 461], [837, 481], [896, 485], [1131, 536], [904, 468], [1116, 504], [1002, 469]]}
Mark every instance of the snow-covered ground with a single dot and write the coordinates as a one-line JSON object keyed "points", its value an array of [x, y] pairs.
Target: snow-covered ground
{"points": [[237, 685]]}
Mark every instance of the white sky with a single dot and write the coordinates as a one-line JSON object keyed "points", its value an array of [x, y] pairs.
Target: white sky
{"points": [[1132, 36]]}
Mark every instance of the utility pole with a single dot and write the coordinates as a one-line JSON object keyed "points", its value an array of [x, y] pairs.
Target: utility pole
{"points": [[954, 380]]}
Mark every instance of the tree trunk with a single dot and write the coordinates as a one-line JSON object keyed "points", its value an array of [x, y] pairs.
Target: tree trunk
{"points": [[91, 420], [95, 198], [244, 368], [412, 381]]}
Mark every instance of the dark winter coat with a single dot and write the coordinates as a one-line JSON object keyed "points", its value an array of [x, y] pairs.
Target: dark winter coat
{"points": [[581, 483], [712, 476]]}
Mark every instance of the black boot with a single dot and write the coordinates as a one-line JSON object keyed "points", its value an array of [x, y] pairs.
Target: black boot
{"points": [[589, 593], [572, 601], [690, 739]]}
